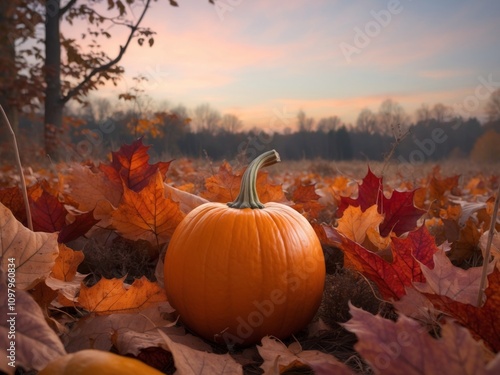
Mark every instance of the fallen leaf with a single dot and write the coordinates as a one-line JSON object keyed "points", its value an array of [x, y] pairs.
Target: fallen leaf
{"points": [[481, 321], [96, 331], [67, 289], [48, 213], [438, 186], [129, 341], [33, 253], [194, 362], [80, 226], [88, 187], [447, 280], [354, 223], [131, 165], [467, 244], [110, 296], [225, 187], [187, 201], [24, 334], [405, 347], [147, 215], [277, 356], [495, 245], [393, 276], [12, 198], [222, 187], [399, 211], [66, 263], [370, 192]]}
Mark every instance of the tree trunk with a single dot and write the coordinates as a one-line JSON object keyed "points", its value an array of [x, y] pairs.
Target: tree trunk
{"points": [[53, 103], [8, 73]]}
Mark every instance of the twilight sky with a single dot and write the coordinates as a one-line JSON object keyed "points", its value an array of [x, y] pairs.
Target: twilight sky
{"points": [[264, 61]]}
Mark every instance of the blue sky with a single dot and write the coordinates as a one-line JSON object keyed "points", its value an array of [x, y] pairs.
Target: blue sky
{"points": [[254, 58]]}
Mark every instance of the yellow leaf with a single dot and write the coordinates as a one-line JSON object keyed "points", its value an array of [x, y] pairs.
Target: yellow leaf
{"points": [[354, 224]]}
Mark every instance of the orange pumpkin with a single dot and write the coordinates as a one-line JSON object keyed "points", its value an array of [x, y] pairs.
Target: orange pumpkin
{"points": [[97, 362], [237, 272]]}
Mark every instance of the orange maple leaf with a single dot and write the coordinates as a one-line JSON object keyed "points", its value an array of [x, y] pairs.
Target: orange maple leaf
{"points": [[66, 263], [222, 187], [438, 186], [225, 186], [110, 296], [305, 200], [88, 187], [147, 215]]}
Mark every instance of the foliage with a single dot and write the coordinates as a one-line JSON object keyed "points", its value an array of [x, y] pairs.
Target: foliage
{"points": [[485, 149], [416, 268]]}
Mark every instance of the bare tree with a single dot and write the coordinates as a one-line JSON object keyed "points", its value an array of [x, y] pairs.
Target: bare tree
{"points": [[231, 123], [367, 121], [329, 123], [206, 118], [424, 113], [391, 116], [493, 106], [440, 112], [304, 123]]}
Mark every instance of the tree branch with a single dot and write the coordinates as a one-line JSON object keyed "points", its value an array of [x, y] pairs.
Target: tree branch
{"points": [[65, 8], [133, 28]]}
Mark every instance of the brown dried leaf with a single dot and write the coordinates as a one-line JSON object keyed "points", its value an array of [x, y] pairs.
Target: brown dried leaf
{"points": [[34, 254], [96, 331], [35, 343], [276, 356], [189, 361]]}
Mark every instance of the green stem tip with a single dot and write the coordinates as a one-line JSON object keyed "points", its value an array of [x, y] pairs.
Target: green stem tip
{"points": [[248, 197]]}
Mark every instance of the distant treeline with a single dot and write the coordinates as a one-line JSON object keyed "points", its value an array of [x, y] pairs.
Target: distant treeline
{"points": [[428, 140]]}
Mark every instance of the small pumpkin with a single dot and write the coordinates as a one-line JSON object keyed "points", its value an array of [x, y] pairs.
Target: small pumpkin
{"points": [[237, 272], [97, 362]]}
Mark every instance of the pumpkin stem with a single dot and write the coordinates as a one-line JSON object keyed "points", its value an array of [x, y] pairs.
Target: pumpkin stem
{"points": [[248, 197]]}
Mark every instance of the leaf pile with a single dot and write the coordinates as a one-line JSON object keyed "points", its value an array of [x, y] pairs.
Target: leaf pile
{"points": [[90, 274]]}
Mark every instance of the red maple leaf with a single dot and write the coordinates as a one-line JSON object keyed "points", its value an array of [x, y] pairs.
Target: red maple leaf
{"points": [[48, 213], [393, 276], [131, 165], [400, 214], [481, 321], [77, 228], [370, 192]]}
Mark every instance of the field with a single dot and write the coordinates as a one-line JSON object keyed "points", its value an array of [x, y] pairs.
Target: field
{"points": [[406, 288]]}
